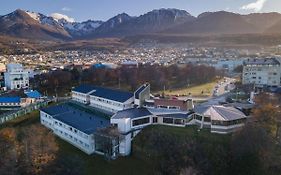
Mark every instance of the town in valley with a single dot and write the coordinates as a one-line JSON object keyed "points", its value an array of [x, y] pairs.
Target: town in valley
{"points": [[159, 92]]}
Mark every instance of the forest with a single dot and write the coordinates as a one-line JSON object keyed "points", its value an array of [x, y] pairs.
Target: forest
{"points": [[159, 77]]}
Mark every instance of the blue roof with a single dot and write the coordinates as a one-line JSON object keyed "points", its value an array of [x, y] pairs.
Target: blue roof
{"points": [[85, 88], [81, 120], [55, 110], [137, 93], [9, 99], [33, 94], [111, 94], [99, 66], [132, 113], [114, 95]]}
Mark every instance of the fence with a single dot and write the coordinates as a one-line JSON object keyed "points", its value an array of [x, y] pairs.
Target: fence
{"points": [[18, 113]]}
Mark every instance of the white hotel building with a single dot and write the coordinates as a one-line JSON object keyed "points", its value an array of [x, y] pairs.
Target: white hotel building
{"points": [[103, 99], [76, 122], [16, 77], [73, 125], [262, 72]]}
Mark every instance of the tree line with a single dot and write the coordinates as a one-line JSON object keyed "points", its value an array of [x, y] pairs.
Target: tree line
{"points": [[174, 76], [34, 150]]}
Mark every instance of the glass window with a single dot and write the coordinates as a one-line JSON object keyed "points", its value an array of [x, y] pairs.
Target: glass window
{"points": [[168, 120], [207, 119], [141, 121], [179, 121]]}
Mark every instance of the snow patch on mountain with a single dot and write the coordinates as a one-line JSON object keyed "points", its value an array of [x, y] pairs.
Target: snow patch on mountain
{"points": [[58, 16], [33, 15]]}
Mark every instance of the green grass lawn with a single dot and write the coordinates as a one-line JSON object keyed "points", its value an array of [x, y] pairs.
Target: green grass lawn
{"points": [[24, 120], [195, 91], [95, 164], [190, 132]]}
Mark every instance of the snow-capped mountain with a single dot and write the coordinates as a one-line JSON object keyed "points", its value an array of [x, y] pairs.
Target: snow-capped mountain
{"points": [[114, 22], [25, 24], [75, 29], [78, 29], [154, 21]]}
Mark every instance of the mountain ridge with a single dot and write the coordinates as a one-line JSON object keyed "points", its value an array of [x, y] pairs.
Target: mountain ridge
{"points": [[26, 24]]}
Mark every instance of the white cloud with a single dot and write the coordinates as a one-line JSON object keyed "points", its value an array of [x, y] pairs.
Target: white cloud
{"points": [[66, 9], [255, 6], [58, 16]]}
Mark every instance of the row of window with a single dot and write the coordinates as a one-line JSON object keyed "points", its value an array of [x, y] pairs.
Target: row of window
{"points": [[141, 121], [106, 101], [166, 120], [173, 121], [215, 122], [9, 104], [227, 123], [74, 139], [71, 129], [168, 107]]}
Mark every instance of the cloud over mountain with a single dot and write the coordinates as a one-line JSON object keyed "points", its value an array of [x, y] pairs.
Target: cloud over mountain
{"points": [[256, 6], [58, 16]]}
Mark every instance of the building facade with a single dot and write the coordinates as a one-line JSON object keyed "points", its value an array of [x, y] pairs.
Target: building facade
{"points": [[16, 77], [218, 119], [76, 122], [262, 72], [103, 99], [73, 125], [10, 103]]}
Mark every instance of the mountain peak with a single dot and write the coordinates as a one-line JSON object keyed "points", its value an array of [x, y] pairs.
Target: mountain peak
{"points": [[18, 12]]}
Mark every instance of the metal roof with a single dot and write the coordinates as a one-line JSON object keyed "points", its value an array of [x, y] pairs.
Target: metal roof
{"points": [[106, 93], [114, 95], [85, 88], [33, 94], [76, 118], [161, 111], [9, 99], [218, 112]]}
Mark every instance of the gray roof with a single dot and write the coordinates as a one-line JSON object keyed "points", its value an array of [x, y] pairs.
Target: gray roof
{"points": [[159, 111], [132, 113], [81, 120], [262, 61], [218, 112], [177, 115]]}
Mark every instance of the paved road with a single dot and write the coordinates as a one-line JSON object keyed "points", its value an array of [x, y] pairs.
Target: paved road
{"points": [[220, 92], [224, 86]]}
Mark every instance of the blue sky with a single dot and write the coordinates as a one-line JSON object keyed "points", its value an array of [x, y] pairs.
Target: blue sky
{"points": [[104, 9]]}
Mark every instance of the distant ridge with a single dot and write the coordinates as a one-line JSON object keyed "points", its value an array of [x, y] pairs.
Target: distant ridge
{"points": [[32, 25]]}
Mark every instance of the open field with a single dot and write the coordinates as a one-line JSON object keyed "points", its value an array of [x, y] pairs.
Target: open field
{"points": [[195, 91]]}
